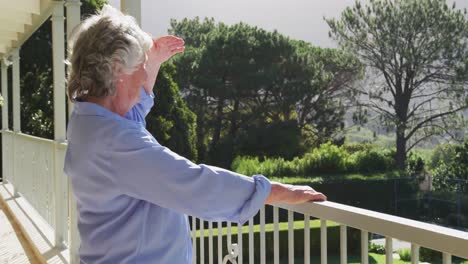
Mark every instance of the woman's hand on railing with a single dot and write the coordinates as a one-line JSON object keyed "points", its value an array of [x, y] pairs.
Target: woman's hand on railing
{"points": [[292, 194]]}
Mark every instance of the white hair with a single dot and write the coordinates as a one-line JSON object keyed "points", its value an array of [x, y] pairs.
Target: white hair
{"points": [[102, 46]]}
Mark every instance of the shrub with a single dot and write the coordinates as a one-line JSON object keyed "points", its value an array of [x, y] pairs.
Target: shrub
{"points": [[355, 147], [441, 154], [414, 164], [405, 254], [367, 161], [429, 255], [246, 165], [327, 158], [378, 249], [446, 174]]}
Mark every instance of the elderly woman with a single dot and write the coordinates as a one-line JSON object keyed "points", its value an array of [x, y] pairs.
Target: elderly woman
{"points": [[133, 195]]}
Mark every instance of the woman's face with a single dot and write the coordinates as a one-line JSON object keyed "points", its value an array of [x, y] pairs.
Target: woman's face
{"points": [[129, 87]]}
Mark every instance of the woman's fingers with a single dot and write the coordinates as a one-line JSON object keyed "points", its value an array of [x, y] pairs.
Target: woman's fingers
{"points": [[177, 50], [318, 197], [168, 40]]}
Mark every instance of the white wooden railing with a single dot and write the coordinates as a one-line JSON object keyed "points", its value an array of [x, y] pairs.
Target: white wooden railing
{"points": [[34, 166], [448, 241]]}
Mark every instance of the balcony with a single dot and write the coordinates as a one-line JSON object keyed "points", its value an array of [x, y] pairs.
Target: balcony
{"points": [[36, 194]]}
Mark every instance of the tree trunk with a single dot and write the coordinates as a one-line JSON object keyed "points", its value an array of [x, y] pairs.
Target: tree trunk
{"points": [[218, 123], [234, 119], [400, 148]]}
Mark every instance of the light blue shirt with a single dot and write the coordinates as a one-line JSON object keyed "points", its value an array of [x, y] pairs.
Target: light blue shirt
{"points": [[133, 195]]}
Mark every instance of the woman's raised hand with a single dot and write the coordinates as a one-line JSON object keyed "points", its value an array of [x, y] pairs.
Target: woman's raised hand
{"points": [[164, 48]]}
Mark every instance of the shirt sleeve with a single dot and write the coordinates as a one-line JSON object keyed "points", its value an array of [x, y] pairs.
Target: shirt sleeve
{"points": [[148, 171], [142, 108]]}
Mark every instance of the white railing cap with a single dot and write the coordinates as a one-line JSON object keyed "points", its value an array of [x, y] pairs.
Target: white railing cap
{"points": [[435, 237]]}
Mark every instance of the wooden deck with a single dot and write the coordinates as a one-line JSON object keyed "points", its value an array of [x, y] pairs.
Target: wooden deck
{"points": [[14, 248]]}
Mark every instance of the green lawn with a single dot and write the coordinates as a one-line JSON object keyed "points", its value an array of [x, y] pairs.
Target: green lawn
{"points": [[268, 227]]}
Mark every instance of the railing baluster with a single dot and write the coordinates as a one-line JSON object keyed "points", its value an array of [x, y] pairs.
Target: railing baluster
{"points": [[262, 236], [388, 250], [210, 243], [194, 240], [202, 241], [323, 241], [414, 254], [239, 243], [306, 239], [251, 242], [290, 237], [343, 245], [275, 235], [446, 258], [220, 242], [364, 247], [229, 238]]}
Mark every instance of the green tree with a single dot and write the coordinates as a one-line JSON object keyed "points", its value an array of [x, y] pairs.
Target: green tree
{"points": [[418, 49], [170, 120], [453, 173], [242, 79]]}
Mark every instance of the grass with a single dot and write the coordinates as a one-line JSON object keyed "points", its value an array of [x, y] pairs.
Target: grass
{"points": [[268, 227]]}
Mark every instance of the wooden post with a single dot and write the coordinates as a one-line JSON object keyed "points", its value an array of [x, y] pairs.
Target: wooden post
{"points": [[58, 52]]}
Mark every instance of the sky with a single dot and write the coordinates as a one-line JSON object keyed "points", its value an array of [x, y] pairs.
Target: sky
{"points": [[298, 19]]}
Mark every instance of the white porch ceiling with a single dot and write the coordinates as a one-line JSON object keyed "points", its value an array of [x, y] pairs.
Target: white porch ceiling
{"points": [[18, 21]]}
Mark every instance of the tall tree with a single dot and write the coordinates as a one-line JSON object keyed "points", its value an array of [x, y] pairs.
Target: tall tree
{"points": [[419, 50], [242, 79], [171, 121]]}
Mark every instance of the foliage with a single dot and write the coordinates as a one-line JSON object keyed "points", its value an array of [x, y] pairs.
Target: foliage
{"points": [[416, 51], [372, 160], [453, 174], [275, 139], [415, 164], [241, 79], [405, 254], [326, 159], [171, 121], [375, 248], [442, 154], [429, 255]]}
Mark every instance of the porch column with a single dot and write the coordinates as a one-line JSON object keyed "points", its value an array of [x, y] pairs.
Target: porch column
{"points": [[16, 117], [58, 55], [133, 8], [5, 155], [16, 91], [73, 19], [5, 97]]}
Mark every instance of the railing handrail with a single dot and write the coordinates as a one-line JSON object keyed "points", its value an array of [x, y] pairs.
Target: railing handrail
{"points": [[28, 137], [423, 234]]}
